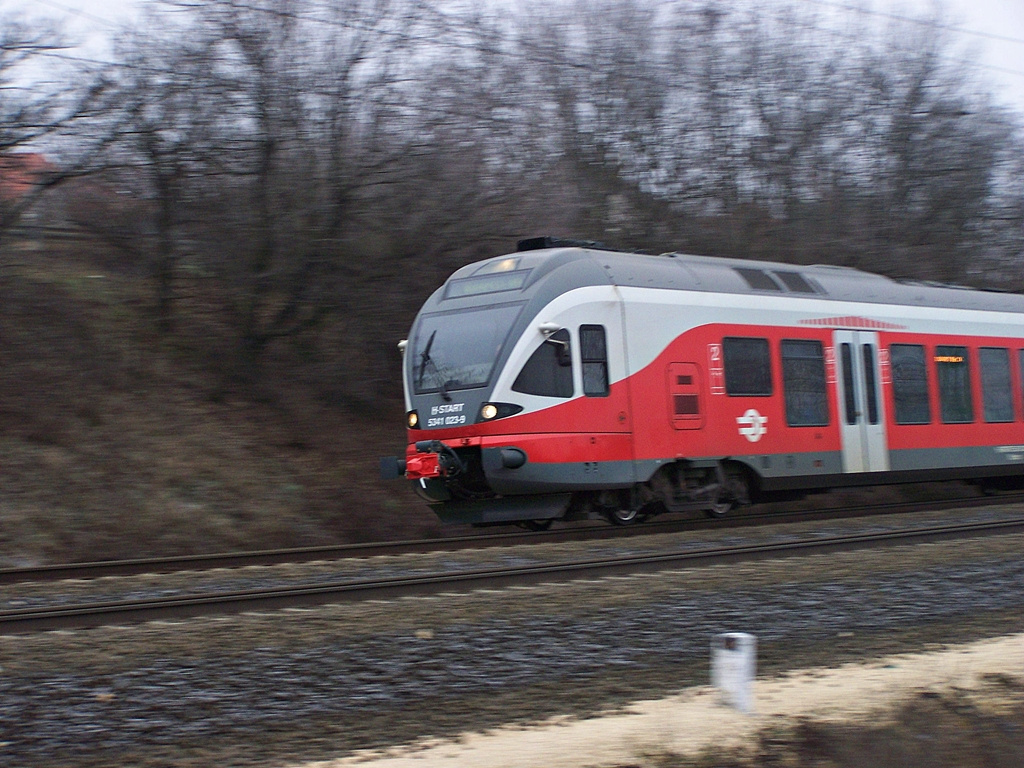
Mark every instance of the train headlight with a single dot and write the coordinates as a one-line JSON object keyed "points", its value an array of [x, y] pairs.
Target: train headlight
{"points": [[492, 411], [412, 419]]}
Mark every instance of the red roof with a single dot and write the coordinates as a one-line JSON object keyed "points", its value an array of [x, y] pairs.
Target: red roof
{"points": [[19, 172]]}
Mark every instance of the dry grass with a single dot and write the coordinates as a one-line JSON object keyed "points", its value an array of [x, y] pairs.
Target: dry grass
{"points": [[949, 729], [116, 442]]}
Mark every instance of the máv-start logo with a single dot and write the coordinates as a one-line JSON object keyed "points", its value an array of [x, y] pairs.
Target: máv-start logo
{"points": [[752, 425]]}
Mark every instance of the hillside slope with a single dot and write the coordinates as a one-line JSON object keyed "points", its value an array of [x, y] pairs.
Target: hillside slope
{"points": [[117, 442]]}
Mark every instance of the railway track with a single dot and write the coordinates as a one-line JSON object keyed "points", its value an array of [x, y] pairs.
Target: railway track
{"points": [[296, 596], [595, 532]]}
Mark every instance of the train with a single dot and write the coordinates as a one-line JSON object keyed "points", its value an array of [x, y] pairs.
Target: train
{"points": [[568, 381]]}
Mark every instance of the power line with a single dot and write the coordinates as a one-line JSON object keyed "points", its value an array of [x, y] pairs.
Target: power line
{"points": [[946, 58], [919, 21], [824, 3], [449, 19], [79, 12], [491, 48]]}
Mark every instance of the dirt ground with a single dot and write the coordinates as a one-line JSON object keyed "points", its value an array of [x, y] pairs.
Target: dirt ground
{"points": [[695, 720]]}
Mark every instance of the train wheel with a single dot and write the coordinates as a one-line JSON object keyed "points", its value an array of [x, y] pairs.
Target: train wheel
{"points": [[624, 516], [734, 489], [720, 509]]}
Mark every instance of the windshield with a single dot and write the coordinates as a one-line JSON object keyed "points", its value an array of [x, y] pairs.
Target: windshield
{"points": [[457, 350]]}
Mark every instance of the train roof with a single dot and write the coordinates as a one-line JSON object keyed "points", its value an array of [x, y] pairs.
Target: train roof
{"points": [[544, 261]]}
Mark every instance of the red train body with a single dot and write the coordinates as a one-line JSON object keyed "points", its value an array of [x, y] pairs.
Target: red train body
{"points": [[564, 382]]}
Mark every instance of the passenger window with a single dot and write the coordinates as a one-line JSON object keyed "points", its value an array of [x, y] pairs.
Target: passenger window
{"points": [[803, 380], [909, 384], [548, 372], [748, 366], [870, 389], [850, 395], [954, 376], [1020, 362], [996, 391], [594, 356]]}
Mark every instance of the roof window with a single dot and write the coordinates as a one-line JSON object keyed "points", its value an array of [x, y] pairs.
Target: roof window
{"points": [[758, 280], [795, 282]]}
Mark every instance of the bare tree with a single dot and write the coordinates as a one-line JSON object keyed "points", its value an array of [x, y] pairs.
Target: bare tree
{"points": [[163, 131], [37, 115], [308, 155], [309, 96], [257, 127], [769, 140]]}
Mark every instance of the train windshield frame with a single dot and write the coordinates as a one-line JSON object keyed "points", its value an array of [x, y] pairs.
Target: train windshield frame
{"points": [[458, 349]]}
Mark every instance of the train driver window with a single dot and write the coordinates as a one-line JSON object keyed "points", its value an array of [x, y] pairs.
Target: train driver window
{"points": [[594, 356], [748, 366], [996, 394], [953, 368], [909, 384], [548, 372], [803, 381]]}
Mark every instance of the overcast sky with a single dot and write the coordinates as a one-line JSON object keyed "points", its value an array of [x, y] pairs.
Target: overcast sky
{"points": [[997, 27]]}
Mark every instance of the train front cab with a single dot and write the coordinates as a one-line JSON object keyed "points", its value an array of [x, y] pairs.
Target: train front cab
{"points": [[535, 423]]}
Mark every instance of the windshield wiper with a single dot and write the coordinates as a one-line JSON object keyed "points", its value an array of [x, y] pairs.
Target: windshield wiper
{"points": [[426, 358]]}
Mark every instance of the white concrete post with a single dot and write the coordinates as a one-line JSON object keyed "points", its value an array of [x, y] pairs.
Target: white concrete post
{"points": [[733, 668]]}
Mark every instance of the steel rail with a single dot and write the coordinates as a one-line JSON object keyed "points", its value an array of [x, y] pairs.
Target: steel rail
{"points": [[578, 532], [21, 621]]}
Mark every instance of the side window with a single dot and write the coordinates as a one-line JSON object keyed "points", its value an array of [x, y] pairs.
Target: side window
{"points": [[954, 376], [996, 391], [1020, 362], [548, 372], [748, 366], [594, 356], [803, 381], [870, 388], [850, 395], [909, 384]]}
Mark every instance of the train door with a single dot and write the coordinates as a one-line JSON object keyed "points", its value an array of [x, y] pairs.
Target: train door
{"points": [[861, 406]]}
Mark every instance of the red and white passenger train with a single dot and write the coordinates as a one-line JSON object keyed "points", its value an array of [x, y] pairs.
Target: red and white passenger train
{"points": [[565, 381]]}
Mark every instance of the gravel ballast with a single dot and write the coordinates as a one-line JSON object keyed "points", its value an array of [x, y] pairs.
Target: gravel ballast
{"points": [[312, 684]]}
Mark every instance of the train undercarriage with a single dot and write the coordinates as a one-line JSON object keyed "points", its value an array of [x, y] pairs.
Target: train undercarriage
{"points": [[461, 492]]}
